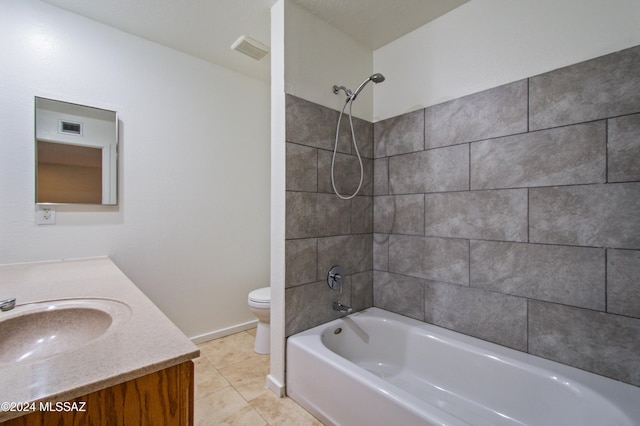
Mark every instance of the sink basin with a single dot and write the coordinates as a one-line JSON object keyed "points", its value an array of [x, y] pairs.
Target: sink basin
{"points": [[37, 331]]}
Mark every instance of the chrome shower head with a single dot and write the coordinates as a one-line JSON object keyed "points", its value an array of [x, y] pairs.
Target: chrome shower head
{"points": [[376, 78]]}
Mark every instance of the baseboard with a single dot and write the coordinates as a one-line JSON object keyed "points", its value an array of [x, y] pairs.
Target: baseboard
{"points": [[224, 332], [275, 386]]}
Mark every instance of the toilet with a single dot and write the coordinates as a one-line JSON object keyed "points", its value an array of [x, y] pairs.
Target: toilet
{"points": [[260, 305]]}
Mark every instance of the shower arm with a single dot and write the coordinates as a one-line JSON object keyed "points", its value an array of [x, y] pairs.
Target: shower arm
{"points": [[337, 89]]}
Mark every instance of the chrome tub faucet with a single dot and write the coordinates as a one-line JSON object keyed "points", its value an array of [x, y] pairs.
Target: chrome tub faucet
{"points": [[343, 309]]}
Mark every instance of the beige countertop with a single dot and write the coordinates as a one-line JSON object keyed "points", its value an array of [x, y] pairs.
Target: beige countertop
{"points": [[146, 342]]}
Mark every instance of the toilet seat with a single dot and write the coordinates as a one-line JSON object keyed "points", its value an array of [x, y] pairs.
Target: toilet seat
{"points": [[261, 296]]}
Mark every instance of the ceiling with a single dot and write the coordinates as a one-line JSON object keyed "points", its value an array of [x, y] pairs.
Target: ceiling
{"points": [[207, 28]]}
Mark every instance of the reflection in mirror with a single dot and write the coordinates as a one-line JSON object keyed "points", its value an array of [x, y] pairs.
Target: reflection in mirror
{"points": [[76, 154]]}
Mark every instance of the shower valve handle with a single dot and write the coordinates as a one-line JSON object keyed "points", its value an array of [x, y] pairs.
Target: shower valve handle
{"points": [[334, 277]]}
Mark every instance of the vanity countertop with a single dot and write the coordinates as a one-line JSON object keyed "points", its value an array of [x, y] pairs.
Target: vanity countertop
{"points": [[147, 342]]}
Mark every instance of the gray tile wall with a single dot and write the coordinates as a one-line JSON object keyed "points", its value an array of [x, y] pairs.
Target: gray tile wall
{"points": [[513, 215], [321, 229]]}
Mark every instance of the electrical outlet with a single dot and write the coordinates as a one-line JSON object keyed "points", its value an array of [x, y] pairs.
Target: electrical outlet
{"points": [[46, 216]]}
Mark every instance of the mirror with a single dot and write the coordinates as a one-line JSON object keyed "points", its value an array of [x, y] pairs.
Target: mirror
{"points": [[76, 154]]}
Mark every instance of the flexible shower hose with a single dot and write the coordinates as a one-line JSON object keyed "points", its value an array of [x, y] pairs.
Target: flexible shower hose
{"points": [[335, 148]]}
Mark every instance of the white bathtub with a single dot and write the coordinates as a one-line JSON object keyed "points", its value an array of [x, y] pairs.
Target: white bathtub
{"points": [[379, 368]]}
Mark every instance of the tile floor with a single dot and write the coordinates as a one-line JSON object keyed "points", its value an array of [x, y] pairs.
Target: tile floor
{"points": [[230, 387]]}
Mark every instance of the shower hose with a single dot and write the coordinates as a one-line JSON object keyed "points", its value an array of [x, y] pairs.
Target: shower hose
{"points": [[335, 148]]}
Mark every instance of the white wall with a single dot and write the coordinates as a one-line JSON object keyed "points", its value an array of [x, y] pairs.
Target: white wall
{"points": [[192, 226], [276, 378], [487, 43], [319, 56]]}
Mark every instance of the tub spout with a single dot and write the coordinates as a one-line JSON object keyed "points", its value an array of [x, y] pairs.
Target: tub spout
{"points": [[343, 309]]}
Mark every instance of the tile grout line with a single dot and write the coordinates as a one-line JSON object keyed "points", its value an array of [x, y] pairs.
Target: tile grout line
{"points": [[606, 150], [606, 281]]}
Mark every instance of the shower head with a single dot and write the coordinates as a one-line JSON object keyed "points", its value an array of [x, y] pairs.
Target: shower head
{"points": [[376, 78]]}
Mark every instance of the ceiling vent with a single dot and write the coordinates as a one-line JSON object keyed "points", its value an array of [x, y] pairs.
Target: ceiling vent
{"points": [[69, 127], [250, 47]]}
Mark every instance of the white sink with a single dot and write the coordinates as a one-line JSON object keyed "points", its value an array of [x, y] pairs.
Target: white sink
{"points": [[37, 331]]}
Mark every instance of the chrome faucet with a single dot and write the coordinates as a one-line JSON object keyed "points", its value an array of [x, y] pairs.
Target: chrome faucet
{"points": [[7, 304], [343, 309]]}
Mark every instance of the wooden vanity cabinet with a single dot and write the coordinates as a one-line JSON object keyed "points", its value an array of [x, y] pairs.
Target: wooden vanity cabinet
{"points": [[161, 398]]}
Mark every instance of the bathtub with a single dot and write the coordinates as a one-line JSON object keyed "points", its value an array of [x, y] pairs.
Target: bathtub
{"points": [[379, 368]]}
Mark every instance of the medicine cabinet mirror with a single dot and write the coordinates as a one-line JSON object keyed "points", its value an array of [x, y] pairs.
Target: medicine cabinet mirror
{"points": [[76, 153]]}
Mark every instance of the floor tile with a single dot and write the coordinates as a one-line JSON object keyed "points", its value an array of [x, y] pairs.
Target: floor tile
{"points": [[244, 417], [248, 377], [207, 378], [211, 409], [230, 387], [282, 411], [229, 349]]}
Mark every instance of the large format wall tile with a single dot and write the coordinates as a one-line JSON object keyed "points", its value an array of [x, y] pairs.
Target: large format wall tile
{"points": [[399, 214], [491, 113], [594, 341], [490, 316], [361, 290], [399, 135], [310, 305], [562, 156], [604, 87], [311, 124], [570, 275], [364, 136], [400, 294], [353, 252], [314, 125], [438, 259], [381, 252], [301, 257], [301, 165], [623, 282], [316, 215], [381, 176], [493, 215], [346, 173], [436, 170], [362, 215], [624, 148], [589, 215]]}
